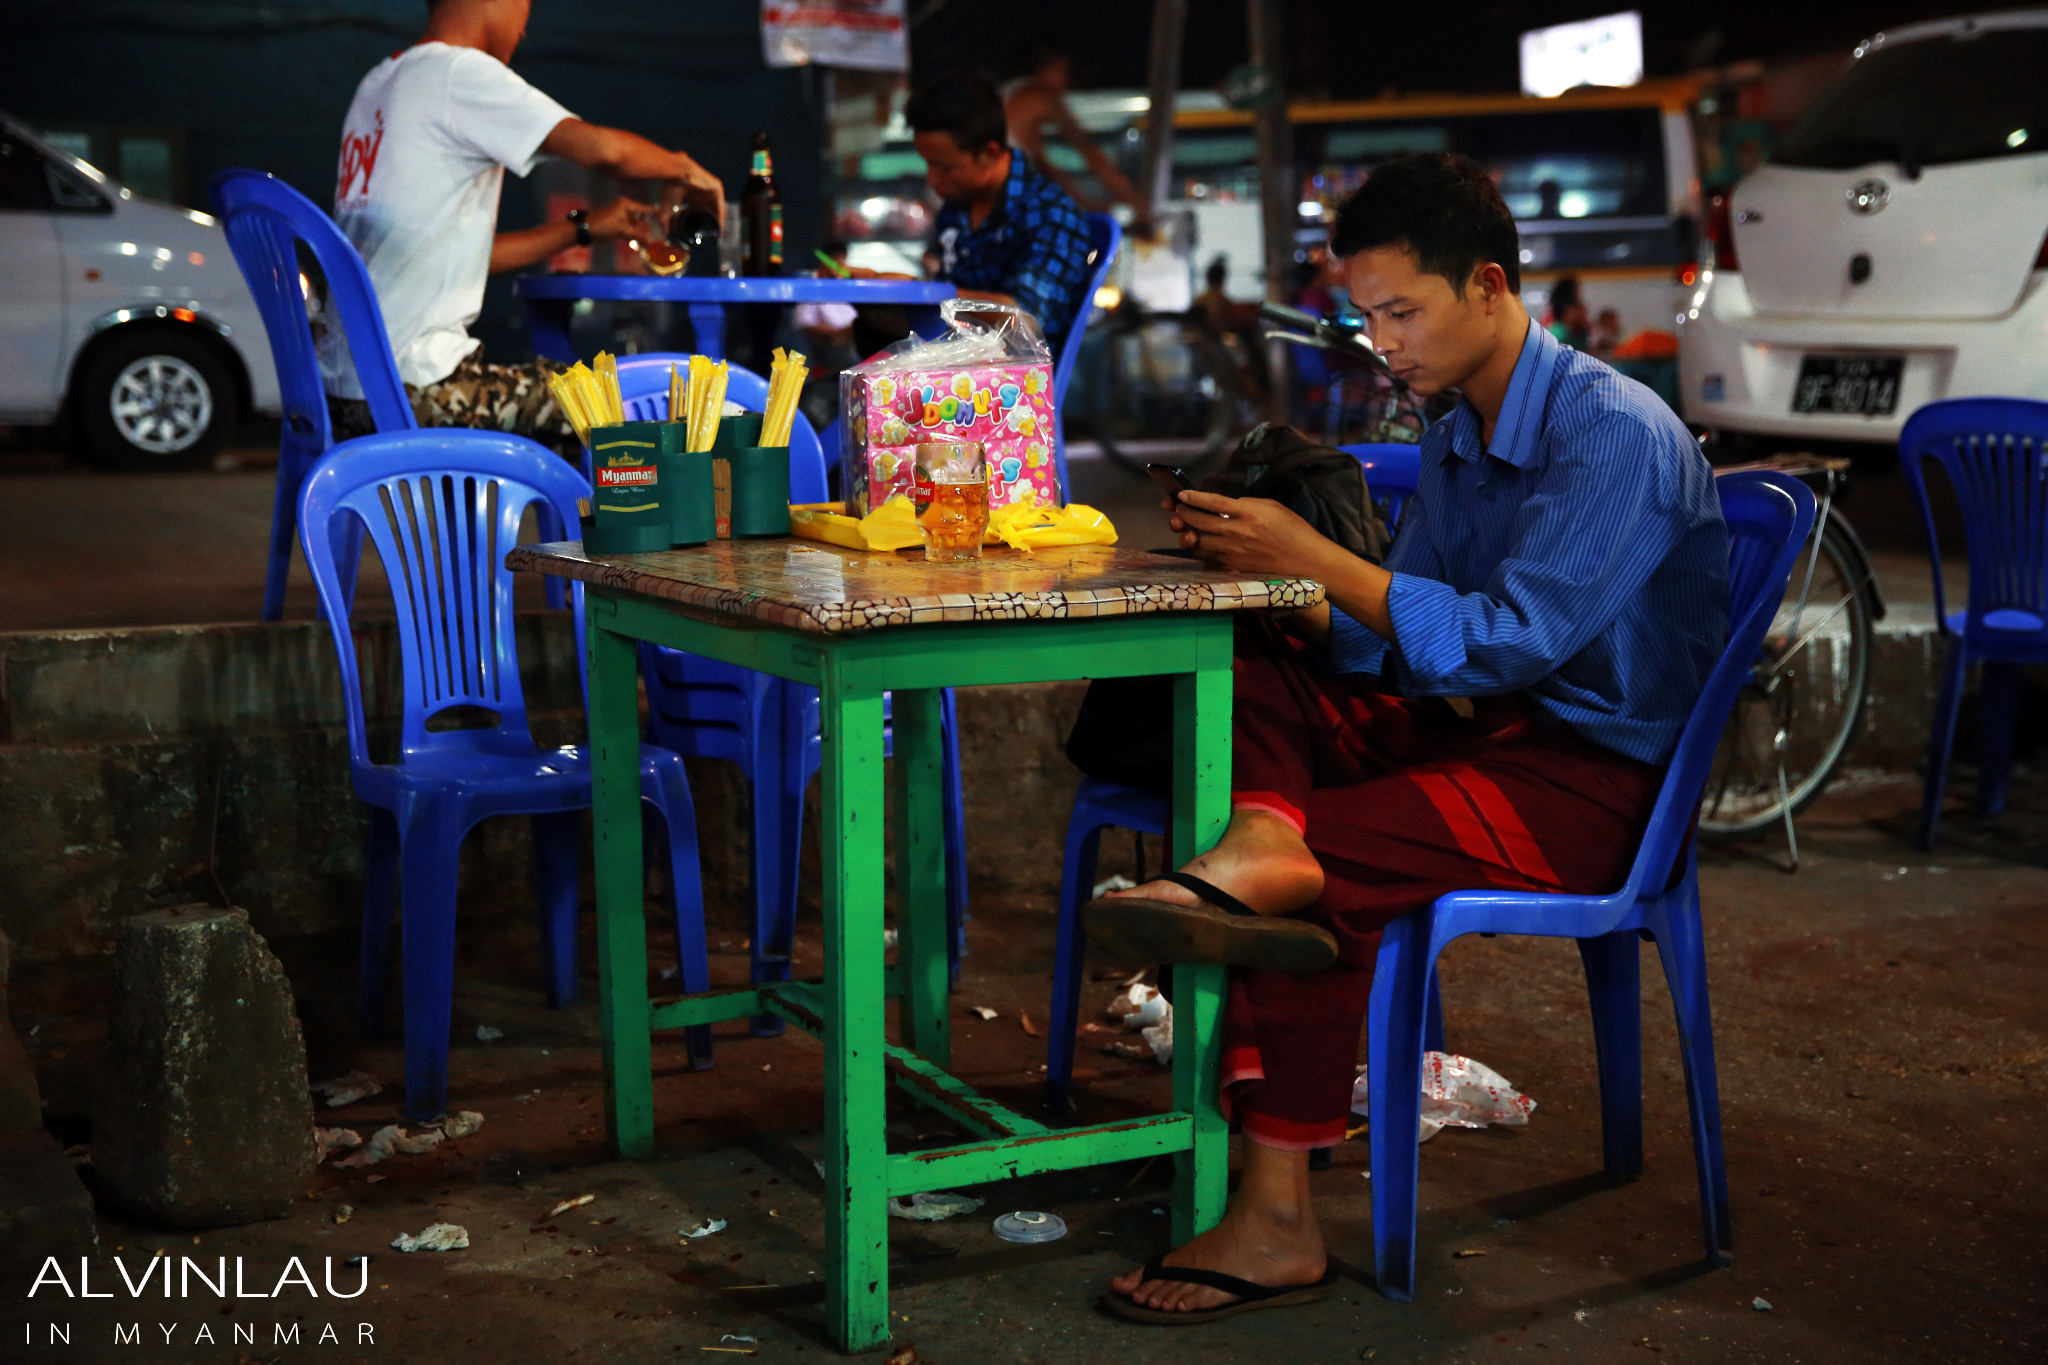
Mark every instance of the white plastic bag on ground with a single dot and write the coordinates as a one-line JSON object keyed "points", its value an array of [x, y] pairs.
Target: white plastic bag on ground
{"points": [[1458, 1092], [1142, 1007]]}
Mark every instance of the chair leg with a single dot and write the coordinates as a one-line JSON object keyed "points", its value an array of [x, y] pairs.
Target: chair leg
{"points": [[1998, 707], [1945, 708], [554, 893], [1394, 1017], [380, 899], [1084, 841], [669, 796], [1675, 923], [429, 851], [1614, 983], [778, 815], [956, 844], [284, 521], [1433, 1021]]}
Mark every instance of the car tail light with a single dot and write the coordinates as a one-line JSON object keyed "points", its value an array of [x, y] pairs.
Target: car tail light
{"points": [[1721, 232]]}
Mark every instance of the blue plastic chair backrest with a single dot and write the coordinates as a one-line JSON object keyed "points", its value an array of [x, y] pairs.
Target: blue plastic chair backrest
{"points": [[1104, 236], [442, 507], [264, 219], [643, 391], [1392, 471], [1995, 453], [1769, 516]]}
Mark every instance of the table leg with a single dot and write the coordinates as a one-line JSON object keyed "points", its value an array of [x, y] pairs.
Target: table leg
{"points": [[921, 874], [1201, 807], [707, 324], [855, 1157], [548, 321], [627, 1046]]}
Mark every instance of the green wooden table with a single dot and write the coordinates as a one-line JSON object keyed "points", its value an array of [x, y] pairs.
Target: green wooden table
{"points": [[855, 625]]}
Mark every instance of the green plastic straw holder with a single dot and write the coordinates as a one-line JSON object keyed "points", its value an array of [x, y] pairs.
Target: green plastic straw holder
{"points": [[758, 478], [629, 502], [753, 484]]}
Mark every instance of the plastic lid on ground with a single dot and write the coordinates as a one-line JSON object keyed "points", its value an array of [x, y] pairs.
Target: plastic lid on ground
{"points": [[1031, 1227]]}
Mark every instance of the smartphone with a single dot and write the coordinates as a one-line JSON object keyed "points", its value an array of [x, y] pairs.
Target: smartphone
{"points": [[1170, 478]]}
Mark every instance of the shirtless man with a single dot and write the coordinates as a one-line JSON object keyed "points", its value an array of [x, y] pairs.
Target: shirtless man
{"points": [[1036, 105]]}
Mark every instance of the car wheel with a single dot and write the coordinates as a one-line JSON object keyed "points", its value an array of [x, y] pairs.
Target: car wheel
{"points": [[155, 400]]}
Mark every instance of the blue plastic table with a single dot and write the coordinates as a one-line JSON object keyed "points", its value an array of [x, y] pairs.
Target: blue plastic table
{"points": [[551, 300]]}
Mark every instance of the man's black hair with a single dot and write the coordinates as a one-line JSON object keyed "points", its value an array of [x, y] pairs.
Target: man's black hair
{"points": [[1444, 208], [963, 103]]}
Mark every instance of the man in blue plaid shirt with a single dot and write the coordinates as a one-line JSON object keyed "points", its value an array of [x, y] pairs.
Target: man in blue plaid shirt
{"points": [[1007, 233]]}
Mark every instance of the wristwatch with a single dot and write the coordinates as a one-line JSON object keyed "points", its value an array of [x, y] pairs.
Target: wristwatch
{"points": [[581, 220]]}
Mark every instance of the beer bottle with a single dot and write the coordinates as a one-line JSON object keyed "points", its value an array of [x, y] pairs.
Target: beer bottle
{"points": [[761, 213]]}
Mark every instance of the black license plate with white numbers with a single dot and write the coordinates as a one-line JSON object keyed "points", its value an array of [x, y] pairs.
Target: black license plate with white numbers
{"points": [[1849, 385]]}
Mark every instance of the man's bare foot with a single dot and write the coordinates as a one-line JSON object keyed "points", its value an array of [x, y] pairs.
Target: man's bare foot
{"points": [[1261, 860], [1248, 1244]]}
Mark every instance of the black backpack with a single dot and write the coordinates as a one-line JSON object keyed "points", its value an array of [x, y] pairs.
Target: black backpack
{"points": [[1124, 730], [1320, 484]]}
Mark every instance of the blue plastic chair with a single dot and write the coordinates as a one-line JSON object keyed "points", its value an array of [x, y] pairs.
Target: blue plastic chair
{"points": [[265, 220], [442, 507], [768, 726], [1391, 471], [1995, 453], [1105, 235], [1769, 516]]}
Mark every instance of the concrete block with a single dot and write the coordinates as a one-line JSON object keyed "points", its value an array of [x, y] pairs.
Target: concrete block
{"points": [[45, 1209], [204, 1117]]}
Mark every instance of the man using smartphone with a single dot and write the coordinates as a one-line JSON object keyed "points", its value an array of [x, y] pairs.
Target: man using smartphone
{"points": [[1563, 566]]}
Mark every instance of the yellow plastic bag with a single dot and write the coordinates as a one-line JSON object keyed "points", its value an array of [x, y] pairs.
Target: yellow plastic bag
{"points": [[1024, 525], [892, 526]]}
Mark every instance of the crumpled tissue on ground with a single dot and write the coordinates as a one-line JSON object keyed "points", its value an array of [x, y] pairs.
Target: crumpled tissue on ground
{"points": [[1142, 1007], [348, 1089], [332, 1140], [439, 1237], [460, 1124], [1458, 1092], [929, 1206], [704, 1229], [389, 1141]]}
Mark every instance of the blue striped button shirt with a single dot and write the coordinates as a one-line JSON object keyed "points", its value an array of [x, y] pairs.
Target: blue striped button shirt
{"points": [[1579, 558]]}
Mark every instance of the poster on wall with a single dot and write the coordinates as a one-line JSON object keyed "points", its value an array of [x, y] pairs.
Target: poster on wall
{"points": [[867, 34]]}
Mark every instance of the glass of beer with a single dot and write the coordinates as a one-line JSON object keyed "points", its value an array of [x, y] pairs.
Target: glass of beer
{"points": [[951, 497]]}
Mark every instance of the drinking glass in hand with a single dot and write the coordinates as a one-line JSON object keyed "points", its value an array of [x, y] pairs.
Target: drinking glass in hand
{"points": [[951, 497]]}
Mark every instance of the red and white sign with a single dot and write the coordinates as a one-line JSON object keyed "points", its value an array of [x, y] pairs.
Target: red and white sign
{"points": [[631, 476], [867, 34]]}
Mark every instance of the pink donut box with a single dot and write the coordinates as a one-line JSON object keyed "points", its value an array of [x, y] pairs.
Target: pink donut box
{"points": [[1007, 407]]}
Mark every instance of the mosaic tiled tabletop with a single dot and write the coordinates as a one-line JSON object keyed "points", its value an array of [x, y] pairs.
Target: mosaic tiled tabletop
{"points": [[804, 585]]}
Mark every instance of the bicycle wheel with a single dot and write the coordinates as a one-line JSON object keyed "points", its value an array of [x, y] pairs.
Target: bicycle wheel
{"points": [[1803, 704], [1160, 379]]}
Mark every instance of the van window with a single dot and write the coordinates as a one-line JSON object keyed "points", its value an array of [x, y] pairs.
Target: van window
{"points": [[22, 187], [1929, 103]]}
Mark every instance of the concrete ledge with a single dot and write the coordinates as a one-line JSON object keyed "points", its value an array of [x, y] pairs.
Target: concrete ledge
{"points": [[148, 767]]}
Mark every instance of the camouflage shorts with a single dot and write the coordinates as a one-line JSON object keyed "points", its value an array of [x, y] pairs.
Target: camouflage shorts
{"points": [[479, 394]]}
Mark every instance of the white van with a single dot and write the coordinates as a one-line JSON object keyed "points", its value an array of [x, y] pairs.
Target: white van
{"points": [[124, 319], [1891, 249]]}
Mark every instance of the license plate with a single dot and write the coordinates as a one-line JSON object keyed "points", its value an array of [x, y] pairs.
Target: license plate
{"points": [[1849, 385]]}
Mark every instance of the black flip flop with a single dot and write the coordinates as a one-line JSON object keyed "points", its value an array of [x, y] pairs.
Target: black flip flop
{"points": [[1225, 930], [1249, 1296]]}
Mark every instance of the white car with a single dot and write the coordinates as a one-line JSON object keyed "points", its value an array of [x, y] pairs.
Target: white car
{"points": [[124, 320], [1890, 251]]}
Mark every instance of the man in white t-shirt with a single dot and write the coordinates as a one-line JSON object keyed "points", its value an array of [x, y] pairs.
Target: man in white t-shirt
{"points": [[424, 151]]}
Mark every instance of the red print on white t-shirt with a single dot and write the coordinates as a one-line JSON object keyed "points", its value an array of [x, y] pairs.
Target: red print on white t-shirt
{"points": [[359, 153]]}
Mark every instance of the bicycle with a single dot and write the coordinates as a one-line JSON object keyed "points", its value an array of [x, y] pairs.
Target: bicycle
{"points": [[1799, 712], [1154, 376]]}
